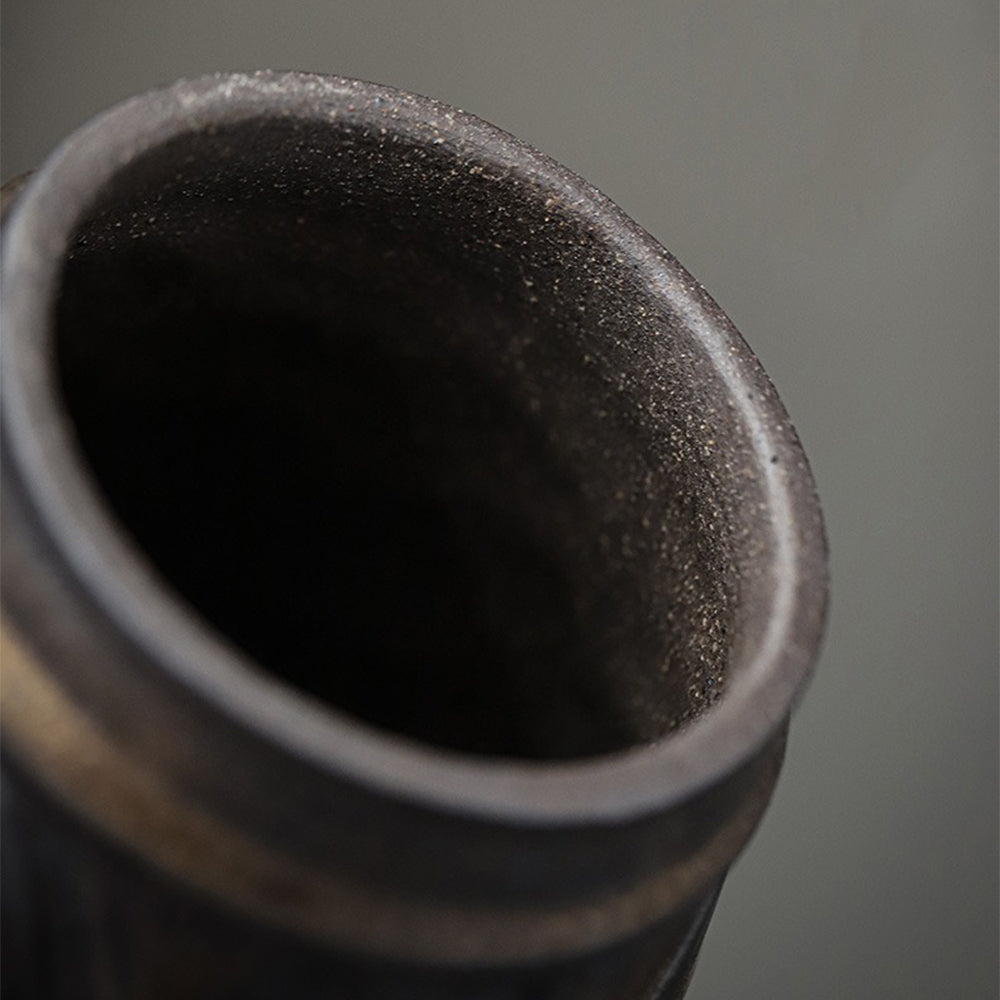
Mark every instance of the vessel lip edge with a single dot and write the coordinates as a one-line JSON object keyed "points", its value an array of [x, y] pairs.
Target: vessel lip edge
{"points": [[625, 784]]}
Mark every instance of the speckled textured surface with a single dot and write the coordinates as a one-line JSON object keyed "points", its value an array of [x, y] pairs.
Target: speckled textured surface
{"points": [[413, 387], [415, 417]]}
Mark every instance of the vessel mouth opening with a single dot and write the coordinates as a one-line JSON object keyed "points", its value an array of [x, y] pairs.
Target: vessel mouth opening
{"points": [[406, 431]]}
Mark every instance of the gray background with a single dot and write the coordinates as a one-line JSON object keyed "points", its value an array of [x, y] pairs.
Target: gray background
{"points": [[829, 171]]}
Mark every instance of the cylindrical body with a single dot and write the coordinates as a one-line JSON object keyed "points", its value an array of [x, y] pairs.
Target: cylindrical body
{"points": [[408, 570]]}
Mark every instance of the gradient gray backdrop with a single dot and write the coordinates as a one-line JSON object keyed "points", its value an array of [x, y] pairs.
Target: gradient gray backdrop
{"points": [[829, 171]]}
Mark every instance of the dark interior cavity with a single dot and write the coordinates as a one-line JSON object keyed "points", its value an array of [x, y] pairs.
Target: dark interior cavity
{"points": [[404, 429]]}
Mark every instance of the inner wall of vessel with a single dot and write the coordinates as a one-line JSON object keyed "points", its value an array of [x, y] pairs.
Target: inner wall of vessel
{"points": [[405, 430]]}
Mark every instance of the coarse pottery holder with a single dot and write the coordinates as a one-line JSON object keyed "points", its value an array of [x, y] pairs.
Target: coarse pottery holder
{"points": [[408, 570]]}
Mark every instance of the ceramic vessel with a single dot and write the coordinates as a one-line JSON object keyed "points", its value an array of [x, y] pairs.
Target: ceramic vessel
{"points": [[408, 570]]}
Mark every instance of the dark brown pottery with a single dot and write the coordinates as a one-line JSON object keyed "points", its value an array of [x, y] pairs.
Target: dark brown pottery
{"points": [[408, 570]]}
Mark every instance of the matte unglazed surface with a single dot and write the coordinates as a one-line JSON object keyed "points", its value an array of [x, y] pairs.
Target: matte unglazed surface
{"points": [[829, 172], [411, 482]]}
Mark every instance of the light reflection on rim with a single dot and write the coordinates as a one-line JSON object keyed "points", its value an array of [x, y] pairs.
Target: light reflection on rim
{"points": [[759, 694]]}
